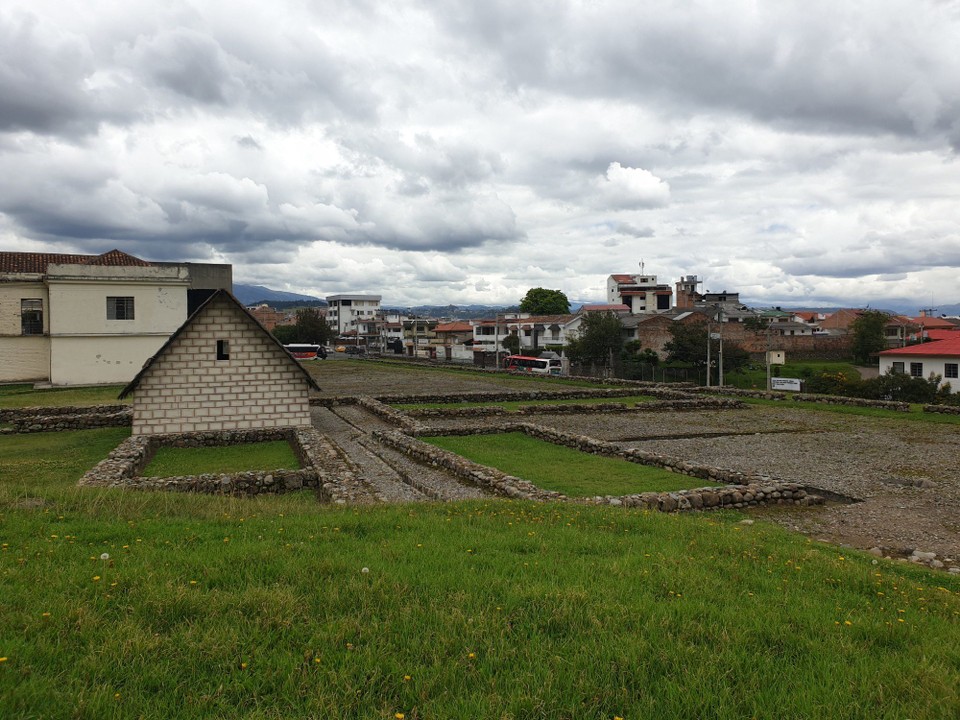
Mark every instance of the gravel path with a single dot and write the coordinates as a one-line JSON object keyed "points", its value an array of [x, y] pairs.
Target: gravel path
{"points": [[391, 474]]}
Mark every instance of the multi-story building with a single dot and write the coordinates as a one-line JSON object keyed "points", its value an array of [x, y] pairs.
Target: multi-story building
{"points": [[93, 319], [347, 311], [642, 293]]}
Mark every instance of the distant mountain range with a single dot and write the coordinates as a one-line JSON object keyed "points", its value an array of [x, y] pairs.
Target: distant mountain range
{"points": [[252, 294]]}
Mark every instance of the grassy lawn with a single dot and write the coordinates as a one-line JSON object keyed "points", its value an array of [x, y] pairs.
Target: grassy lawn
{"points": [[17, 396], [220, 607], [565, 470], [174, 461], [514, 405]]}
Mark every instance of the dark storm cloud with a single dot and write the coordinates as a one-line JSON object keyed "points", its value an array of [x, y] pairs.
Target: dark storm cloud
{"points": [[852, 67]]}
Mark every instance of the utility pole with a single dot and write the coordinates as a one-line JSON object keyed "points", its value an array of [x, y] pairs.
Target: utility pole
{"points": [[768, 357], [708, 353], [720, 333]]}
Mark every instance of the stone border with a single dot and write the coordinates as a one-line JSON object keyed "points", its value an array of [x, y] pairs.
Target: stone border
{"points": [[123, 466], [942, 409], [66, 417], [590, 409], [741, 489], [853, 402]]}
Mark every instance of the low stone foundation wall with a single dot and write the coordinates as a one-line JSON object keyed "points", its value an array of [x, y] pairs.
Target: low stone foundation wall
{"points": [[585, 409], [657, 390], [942, 409], [853, 402], [51, 419], [467, 470], [123, 466], [740, 489], [740, 392]]}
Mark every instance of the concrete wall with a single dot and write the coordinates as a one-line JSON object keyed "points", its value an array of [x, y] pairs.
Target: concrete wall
{"points": [[81, 309], [103, 359], [25, 358], [187, 389], [11, 293]]}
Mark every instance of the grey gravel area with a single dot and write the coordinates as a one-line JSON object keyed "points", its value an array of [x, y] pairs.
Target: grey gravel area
{"points": [[906, 474], [392, 475]]}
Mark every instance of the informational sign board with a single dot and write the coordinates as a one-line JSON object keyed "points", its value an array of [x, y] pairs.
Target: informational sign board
{"points": [[787, 384]]}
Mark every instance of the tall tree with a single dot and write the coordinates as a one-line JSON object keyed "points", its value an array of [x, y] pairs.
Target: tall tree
{"points": [[868, 337], [541, 301], [312, 327], [600, 340]]}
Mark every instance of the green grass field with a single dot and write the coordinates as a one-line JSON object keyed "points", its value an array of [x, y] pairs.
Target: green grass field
{"points": [[17, 396], [279, 607], [175, 461], [563, 469]]}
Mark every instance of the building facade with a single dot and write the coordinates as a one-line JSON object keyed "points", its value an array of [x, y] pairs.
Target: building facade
{"points": [[220, 370], [92, 319], [642, 294]]}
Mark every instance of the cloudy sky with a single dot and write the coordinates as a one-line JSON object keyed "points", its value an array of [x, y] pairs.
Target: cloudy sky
{"points": [[447, 151]]}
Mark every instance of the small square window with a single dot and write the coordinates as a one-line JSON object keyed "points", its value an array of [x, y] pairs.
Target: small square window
{"points": [[31, 317], [916, 369], [950, 370], [898, 367], [223, 349], [119, 308]]}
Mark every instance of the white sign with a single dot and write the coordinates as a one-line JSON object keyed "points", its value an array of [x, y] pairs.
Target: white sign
{"points": [[780, 383]]}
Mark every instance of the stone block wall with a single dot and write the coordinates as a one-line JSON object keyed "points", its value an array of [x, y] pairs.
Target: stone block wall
{"points": [[188, 389], [50, 419]]}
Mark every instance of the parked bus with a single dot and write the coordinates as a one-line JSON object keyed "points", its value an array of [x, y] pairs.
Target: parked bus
{"points": [[303, 351], [540, 366]]}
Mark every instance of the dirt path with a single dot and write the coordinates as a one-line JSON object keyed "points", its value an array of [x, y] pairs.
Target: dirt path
{"points": [[394, 476]]}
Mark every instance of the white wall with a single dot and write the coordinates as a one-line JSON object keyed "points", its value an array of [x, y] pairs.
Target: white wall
{"points": [[931, 364]]}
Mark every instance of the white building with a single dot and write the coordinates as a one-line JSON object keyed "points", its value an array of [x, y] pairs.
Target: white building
{"points": [[92, 319], [940, 357], [642, 294], [354, 314]]}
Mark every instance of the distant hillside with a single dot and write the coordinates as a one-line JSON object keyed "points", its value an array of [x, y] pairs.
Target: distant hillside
{"points": [[250, 294]]}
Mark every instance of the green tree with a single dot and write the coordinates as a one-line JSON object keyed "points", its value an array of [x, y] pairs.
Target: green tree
{"points": [[541, 301], [600, 340], [687, 344], [511, 343], [310, 327], [286, 334], [868, 337]]}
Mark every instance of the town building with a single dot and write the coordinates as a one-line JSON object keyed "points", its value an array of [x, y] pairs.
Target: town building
{"points": [[640, 293], [356, 317], [70, 319], [939, 357], [220, 370]]}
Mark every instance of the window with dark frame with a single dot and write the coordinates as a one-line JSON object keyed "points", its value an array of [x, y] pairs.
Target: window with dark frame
{"points": [[950, 370], [916, 369], [223, 349], [31, 316], [898, 367], [119, 308]]}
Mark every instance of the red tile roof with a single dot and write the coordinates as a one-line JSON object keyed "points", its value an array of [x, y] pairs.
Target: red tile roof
{"points": [[942, 334], [623, 278], [933, 322], [454, 327], [36, 263], [949, 347]]}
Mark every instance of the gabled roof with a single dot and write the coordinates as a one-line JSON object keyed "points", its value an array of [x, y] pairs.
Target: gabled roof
{"points": [[927, 322], [196, 313], [949, 347], [36, 263]]}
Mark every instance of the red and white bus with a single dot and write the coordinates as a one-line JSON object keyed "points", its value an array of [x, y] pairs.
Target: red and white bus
{"points": [[303, 351], [540, 366]]}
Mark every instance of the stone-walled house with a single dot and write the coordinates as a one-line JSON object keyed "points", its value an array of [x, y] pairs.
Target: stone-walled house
{"points": [[221, 370]]}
